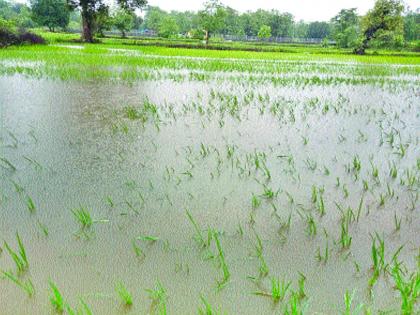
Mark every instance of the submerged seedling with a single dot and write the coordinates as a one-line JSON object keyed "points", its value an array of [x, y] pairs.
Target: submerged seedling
{"points": [[27, 285], [124, 295], [19, 257]]}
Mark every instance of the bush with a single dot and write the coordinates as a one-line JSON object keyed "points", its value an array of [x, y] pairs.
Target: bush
{"points": [[9, 36]]}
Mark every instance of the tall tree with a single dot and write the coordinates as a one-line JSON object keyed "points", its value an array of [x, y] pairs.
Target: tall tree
{"points": [[264, 32], [123, 21], [212, 18], [154, 17], [168, 27], [384, 19], [90, 8], [319, 30], [412, 25], [345, 28]]}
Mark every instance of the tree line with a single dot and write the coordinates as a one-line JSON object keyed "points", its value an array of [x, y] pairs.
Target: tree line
{"points": [[387, 24]]}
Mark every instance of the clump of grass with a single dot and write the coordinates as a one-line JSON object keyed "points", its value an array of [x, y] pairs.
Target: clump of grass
{"points": [[19, 257], [124, 295]]}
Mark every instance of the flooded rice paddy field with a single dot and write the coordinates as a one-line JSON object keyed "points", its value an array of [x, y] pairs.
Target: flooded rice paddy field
{"points": [[183, 185]]}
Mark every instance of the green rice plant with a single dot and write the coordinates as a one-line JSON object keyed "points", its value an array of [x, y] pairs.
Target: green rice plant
{"points": [[82, 215], [198, 233], [5, 163], [375, 170], [57, 300], [148, 238], [348, 301], [225, 269], [408, 287], [30, 204], [311, 225], [43, 228], [159, 299], [295, 306], [19, 257], [365, 185], [397, 222], [255, 202], [314, 196], [137, 250], [378, 254], [208, 309], [269, 193], [321, 205], [359, 208], [393, 172], [345, 238], [301, 284], [27, 285], [279, 289], [263, 269], [357, 164], [323, 258], [124, 295]]}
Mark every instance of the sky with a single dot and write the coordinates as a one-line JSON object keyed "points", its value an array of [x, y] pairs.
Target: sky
{"points": [[308, 10]]}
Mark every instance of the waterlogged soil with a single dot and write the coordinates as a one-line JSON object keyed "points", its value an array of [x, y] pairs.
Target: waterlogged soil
{"points": [[244, 160]]}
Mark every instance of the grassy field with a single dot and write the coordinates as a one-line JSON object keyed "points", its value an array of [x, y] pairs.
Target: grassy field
{"points": [[140, 179]]}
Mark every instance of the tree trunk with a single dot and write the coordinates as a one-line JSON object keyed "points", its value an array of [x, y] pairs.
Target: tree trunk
{"points": [[87, 21], [206, 37]]}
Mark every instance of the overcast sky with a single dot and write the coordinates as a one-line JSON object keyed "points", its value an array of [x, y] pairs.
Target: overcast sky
{"points": [[308, 10]]}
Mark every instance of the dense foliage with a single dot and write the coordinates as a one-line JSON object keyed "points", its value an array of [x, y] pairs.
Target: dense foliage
{"points": [[387, 25]]}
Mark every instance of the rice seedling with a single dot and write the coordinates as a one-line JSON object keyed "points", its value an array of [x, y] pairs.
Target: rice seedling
{"points": [[348, 301], [30, 204], [19, 257], [26, 285], [255, 202], [357, 164], [345, 238], [83, 217], [159, 299], [323, 258], [279, 289], [148, 238], [43, 228], [198, 233], [5, 163], [311, 225], [397, 222], [409, 289], [124, 295], [263, 269], [225, 269], [301, 284], [208, 309], [57, 300]]}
